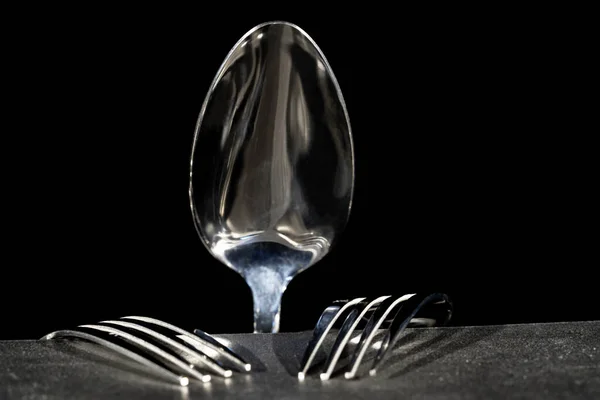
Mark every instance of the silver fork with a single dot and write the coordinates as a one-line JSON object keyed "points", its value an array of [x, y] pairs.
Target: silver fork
{"points": [[388, 313], [171, 351]]}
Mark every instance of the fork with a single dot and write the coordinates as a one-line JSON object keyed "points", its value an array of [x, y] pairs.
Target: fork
{"points": [[172, 352], [392, 314], [180, 355]]}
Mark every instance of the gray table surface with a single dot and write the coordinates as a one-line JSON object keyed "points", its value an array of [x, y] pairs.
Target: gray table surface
{"points": [[545, 361]]}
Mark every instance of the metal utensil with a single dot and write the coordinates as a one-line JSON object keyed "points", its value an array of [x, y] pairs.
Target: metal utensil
{"points": [[392, 314], [169, 350], [272, 166]]}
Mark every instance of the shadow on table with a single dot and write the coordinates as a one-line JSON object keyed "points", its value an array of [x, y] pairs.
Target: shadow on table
{"points": [[105, 363], [289, 353], [445, 342], [249, 356], [436, 344]]}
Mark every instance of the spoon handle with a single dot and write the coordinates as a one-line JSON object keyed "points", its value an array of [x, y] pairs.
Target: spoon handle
{"points": [[267, 286]]}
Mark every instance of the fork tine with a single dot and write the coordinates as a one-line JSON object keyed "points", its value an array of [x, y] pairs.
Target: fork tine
{"points": [[200, 341], [377, 319], [322, 328], [192, 356], [181, 380], [203, 338], [350, 324], [406, 313], [152, 349]]}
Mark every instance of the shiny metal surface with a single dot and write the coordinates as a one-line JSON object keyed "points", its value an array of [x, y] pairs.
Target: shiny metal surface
{"points": [[438, 302], [192, 357], [74, 334], [386, 309], [272, 167], [184, 368], [324, 324], [170, 351], [202, 341], [345, 333], [391, 314]]}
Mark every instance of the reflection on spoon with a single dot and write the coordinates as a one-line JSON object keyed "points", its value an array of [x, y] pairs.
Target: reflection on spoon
{"points": [[272, 168]]}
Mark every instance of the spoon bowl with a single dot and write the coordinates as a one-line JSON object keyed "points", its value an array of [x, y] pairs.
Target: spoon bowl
{"points": [[272, 166]]}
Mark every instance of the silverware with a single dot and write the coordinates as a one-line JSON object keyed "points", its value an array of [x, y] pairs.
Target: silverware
{"points": [[389, 313], [171, 351], [272, 166]]}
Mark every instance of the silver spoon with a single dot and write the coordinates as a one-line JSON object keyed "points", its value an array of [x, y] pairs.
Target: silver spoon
{"points": [[272, 166]]}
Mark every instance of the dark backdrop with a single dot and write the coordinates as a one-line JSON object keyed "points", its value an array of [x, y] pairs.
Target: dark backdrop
{"points": [[473, 169]]}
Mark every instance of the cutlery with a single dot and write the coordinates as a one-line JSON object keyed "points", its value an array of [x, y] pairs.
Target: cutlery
{"points": [[387, 314], [172, 352], [272, 165]]}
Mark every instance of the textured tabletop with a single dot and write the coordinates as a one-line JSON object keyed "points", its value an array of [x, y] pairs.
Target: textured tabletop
{"points": [[544, 361]]}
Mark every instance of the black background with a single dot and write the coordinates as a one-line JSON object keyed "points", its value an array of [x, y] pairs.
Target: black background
{"points": [[474, 168]]}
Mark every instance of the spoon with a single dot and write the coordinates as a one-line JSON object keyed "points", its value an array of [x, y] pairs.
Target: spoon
{"points": [[272, 166]]}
